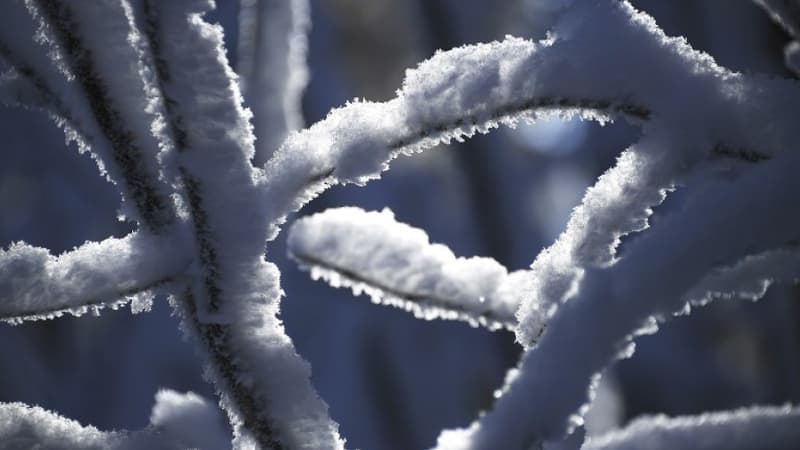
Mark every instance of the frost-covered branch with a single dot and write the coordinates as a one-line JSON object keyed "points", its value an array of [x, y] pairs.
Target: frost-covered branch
{"points": [[395, 264], [744, 429], [37, 285], [612, 304], [474, 88], [784, 12], [178, 421], [231, 308], [271, 63], [23, 426], [88, 41]]}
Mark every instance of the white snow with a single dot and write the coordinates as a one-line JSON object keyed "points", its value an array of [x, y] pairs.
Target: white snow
{"points": [[271, 64], [189, 421], [752, 428], [35, 284], [396, 264]]}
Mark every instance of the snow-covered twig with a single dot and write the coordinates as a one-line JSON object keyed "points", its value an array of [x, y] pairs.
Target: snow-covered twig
{"points": [[612, 304], [395, 264], [787, 14], [784, 12], [744, 429], [271, 64], [178, 421], [37, 285], [23, 426], [17, 91]]}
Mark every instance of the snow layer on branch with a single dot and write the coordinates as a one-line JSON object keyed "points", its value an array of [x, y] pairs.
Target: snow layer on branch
{"points": [[470, 89], [37, 285], [271, 64], [744, 429], [22, 426], [179, 421], [396, 264], [25, 427], [750, 277], [232, 308], [97, 48], [724, 221]]}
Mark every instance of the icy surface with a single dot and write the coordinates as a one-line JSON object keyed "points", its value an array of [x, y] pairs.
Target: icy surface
{"points": [[396, 264], [744, 429]]}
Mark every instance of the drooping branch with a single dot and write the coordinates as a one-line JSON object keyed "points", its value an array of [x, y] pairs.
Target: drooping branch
{"points": [[395, 264], [37, 285], [743, 429]]}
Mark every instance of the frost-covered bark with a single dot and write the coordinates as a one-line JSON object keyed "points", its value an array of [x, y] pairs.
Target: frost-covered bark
{"points": [[271, 64], [37, 285], [787, 14], [146, 86]]}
